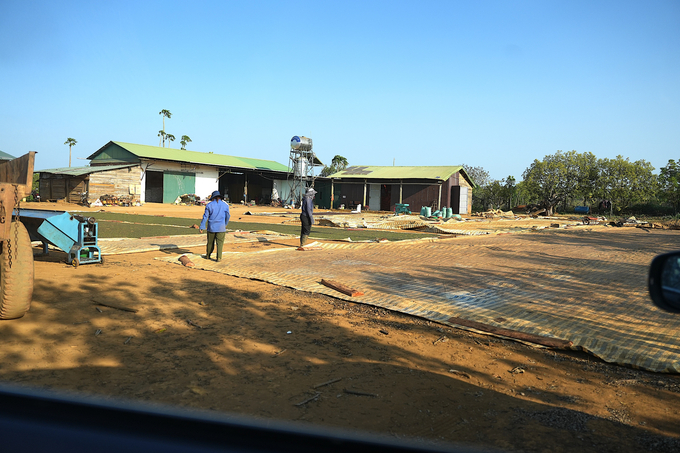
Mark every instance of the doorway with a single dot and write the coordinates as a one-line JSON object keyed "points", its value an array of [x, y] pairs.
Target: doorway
{"points": [[153, 192], [459, 199], [386, 197]]}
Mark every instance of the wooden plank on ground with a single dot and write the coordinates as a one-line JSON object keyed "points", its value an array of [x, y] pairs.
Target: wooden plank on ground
{"points": [[341, 288], [545, 341]]}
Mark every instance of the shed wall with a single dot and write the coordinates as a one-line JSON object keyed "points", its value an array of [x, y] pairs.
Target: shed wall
{"points": [[52, 187], [206, 182], [323, 196], [201, 180], [417, 196], [124, 182], [62, 187], [284, 188], [176, 184]]}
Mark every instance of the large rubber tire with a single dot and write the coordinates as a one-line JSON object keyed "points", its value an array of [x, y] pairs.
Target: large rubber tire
{"points": [[16, 283]]}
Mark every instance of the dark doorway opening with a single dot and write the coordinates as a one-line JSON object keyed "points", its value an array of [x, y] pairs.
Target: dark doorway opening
{"points": [[153, 192], [231, 187], [386, 197], [455, 200]]}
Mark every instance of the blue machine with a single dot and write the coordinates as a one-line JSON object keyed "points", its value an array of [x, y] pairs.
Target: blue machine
{"points": [[74, 234]]}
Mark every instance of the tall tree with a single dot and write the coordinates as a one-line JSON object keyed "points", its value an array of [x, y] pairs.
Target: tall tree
{"points": [[509, 188], [669, 183], [71, 142], [162, 136], [588, 177], [521, 194], [170, 138], [554, 179], [493, 195], [184, 140], [480, 194], [478, 175], [625, 182], [165, 114]]}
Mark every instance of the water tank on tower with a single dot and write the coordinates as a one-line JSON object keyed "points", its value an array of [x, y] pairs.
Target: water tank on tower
{"points": [[300, 167], [301, 143]]}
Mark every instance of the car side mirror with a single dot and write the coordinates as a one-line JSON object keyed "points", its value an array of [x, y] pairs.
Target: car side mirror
{"points": [[664, 282]]}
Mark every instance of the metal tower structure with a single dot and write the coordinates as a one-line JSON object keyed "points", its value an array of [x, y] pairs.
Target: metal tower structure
{"points": [[301, 164]]}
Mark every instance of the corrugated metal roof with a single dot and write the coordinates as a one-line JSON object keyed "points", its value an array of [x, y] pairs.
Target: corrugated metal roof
{"points": [[368, 172], [5, 156], [195, 157], [82, 171]]}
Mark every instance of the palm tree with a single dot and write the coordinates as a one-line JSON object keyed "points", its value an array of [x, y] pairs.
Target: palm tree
{"points": [[184, 140], [171, 138], [339, 163], [70, 142], [165, 114], [162, 136]]}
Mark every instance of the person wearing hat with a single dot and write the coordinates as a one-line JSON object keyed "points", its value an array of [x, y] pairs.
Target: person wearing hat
{"points": [[216, 218], [307, 215]]}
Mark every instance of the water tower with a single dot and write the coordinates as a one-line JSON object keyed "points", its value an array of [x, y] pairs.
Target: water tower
{"points": [[301, 167]]}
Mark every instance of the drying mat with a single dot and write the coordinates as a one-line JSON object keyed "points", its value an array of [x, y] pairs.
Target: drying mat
{"points": [[119, 246], [580, 286]]}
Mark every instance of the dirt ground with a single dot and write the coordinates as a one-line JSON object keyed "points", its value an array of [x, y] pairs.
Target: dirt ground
{"points": [[205, 340]]}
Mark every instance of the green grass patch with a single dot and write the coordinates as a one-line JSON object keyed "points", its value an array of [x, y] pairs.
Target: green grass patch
{"points": [[113, 225]]}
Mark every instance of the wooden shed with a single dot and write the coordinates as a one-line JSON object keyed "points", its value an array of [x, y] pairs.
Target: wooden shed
{"points": [[381, 188], [73, 183]]}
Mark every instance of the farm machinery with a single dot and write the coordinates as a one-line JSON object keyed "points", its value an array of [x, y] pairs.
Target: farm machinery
{"points": [[16, 253]]}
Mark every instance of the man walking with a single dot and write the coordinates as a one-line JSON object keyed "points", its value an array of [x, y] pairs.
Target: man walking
{"points": [[307, 215], [216, 216]]}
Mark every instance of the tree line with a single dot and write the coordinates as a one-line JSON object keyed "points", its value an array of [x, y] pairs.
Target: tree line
{"points": [[566, 179]]}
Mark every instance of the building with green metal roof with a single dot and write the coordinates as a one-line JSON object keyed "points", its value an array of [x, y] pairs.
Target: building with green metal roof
{"points": [[382, 188], [5, 156], [120, 152], [145, 173]]}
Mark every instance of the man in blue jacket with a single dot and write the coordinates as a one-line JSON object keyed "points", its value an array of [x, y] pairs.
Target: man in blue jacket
{"points": [[217, 217]]}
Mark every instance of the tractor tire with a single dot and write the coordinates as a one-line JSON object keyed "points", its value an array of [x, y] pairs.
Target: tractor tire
{"points": [[16, 282]]}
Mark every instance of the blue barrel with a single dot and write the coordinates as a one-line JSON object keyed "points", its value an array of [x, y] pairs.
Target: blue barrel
{"points": [[582, 209], [427, 211]]}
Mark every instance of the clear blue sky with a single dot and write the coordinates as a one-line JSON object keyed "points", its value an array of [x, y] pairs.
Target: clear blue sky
{"points": [[494, 84]]}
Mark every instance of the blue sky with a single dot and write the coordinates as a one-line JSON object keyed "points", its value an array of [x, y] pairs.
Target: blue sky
{"points": [[494, 84]]}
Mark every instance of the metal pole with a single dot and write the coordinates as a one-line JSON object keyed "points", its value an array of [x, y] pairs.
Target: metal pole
{"points": [[439, 203], [363, 205]]}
